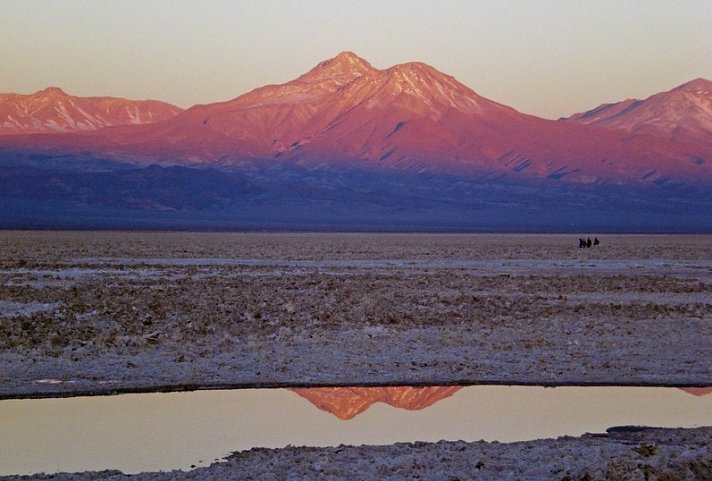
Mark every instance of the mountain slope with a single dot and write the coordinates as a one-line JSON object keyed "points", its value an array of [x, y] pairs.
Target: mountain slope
{"points": [[410, 117], [53, 111], [683, 114], [350, 147]]}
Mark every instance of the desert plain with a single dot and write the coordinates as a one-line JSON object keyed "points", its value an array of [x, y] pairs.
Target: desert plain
{"points": [[92, 312], [84, 313]]}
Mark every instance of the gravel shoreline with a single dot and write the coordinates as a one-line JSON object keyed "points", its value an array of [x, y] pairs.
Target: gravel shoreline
{"points": [[621, 454]]}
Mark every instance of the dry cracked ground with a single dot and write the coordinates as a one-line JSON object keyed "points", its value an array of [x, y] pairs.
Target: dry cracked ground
{"points": [[93, 312]]}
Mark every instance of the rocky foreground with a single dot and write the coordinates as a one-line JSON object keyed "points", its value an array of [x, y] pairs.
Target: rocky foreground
{"points": [[623, 454], [91, 313], [88, 313]]}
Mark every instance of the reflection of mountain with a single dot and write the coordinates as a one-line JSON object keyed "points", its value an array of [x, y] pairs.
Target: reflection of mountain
{"points": [[698, 391], [347, 402]]}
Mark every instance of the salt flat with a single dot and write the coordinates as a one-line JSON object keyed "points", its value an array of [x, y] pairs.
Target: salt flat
{"points": [[99, 312]]}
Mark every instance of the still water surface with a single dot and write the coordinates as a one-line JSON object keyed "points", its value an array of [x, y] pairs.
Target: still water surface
{"points": [[151, 432]]}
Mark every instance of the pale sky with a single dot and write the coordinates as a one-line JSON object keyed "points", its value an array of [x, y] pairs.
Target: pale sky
{"points": [[544, 57]]}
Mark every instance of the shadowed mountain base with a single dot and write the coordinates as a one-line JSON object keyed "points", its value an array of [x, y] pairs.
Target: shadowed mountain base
{"points": [[79, 193]]}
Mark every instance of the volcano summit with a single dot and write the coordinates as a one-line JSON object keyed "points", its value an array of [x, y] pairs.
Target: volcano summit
{"points": [[349, 146]]}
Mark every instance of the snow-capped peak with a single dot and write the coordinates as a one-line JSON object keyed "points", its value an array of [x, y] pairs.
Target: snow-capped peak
{"points": [[51, 91], [345, 67], [696, 86], [52, 110], [683, 113]]}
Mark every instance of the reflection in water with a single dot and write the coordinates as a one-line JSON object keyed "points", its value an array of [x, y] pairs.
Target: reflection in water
{"points": [[347, 402], [698, 391], [164, 431]]}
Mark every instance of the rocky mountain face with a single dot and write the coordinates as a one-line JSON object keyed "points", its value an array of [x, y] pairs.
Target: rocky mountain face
{"points": [[683, 114], [348, 402], [409, 117], [349, 146], [53, 111]]}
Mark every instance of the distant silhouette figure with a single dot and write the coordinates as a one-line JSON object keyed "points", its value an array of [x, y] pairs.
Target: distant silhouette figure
{"points": [[582, 243], [588, 242], [595, 241]]}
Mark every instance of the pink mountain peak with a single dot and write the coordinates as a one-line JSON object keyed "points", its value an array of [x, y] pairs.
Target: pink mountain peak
{"points": [[423, 74], [52, 110], [409, 117], [344, 65], [51, 92], [697, 85], [347, 57], [681, 115]]}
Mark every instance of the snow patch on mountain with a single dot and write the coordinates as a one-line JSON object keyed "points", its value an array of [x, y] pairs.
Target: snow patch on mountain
{"points": [[53, 111], [683, 114]]}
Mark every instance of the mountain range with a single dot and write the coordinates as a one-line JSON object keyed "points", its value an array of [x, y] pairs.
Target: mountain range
{"points": [[683, 114], [349, 146], [53, 111]]}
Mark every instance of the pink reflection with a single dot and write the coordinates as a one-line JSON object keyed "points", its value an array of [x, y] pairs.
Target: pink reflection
{"points": [[347, 402], [698, 391]]}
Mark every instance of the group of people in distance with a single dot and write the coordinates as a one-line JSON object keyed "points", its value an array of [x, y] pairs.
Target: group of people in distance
{"points": [[587, 243]]}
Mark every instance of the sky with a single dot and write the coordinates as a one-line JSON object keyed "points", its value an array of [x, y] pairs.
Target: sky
{"points": [[549, 58]]}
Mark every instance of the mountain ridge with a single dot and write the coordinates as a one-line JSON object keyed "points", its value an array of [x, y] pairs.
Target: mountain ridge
{"points": [[681, 114], [347, 146], [411, 117], [52, 110]]}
